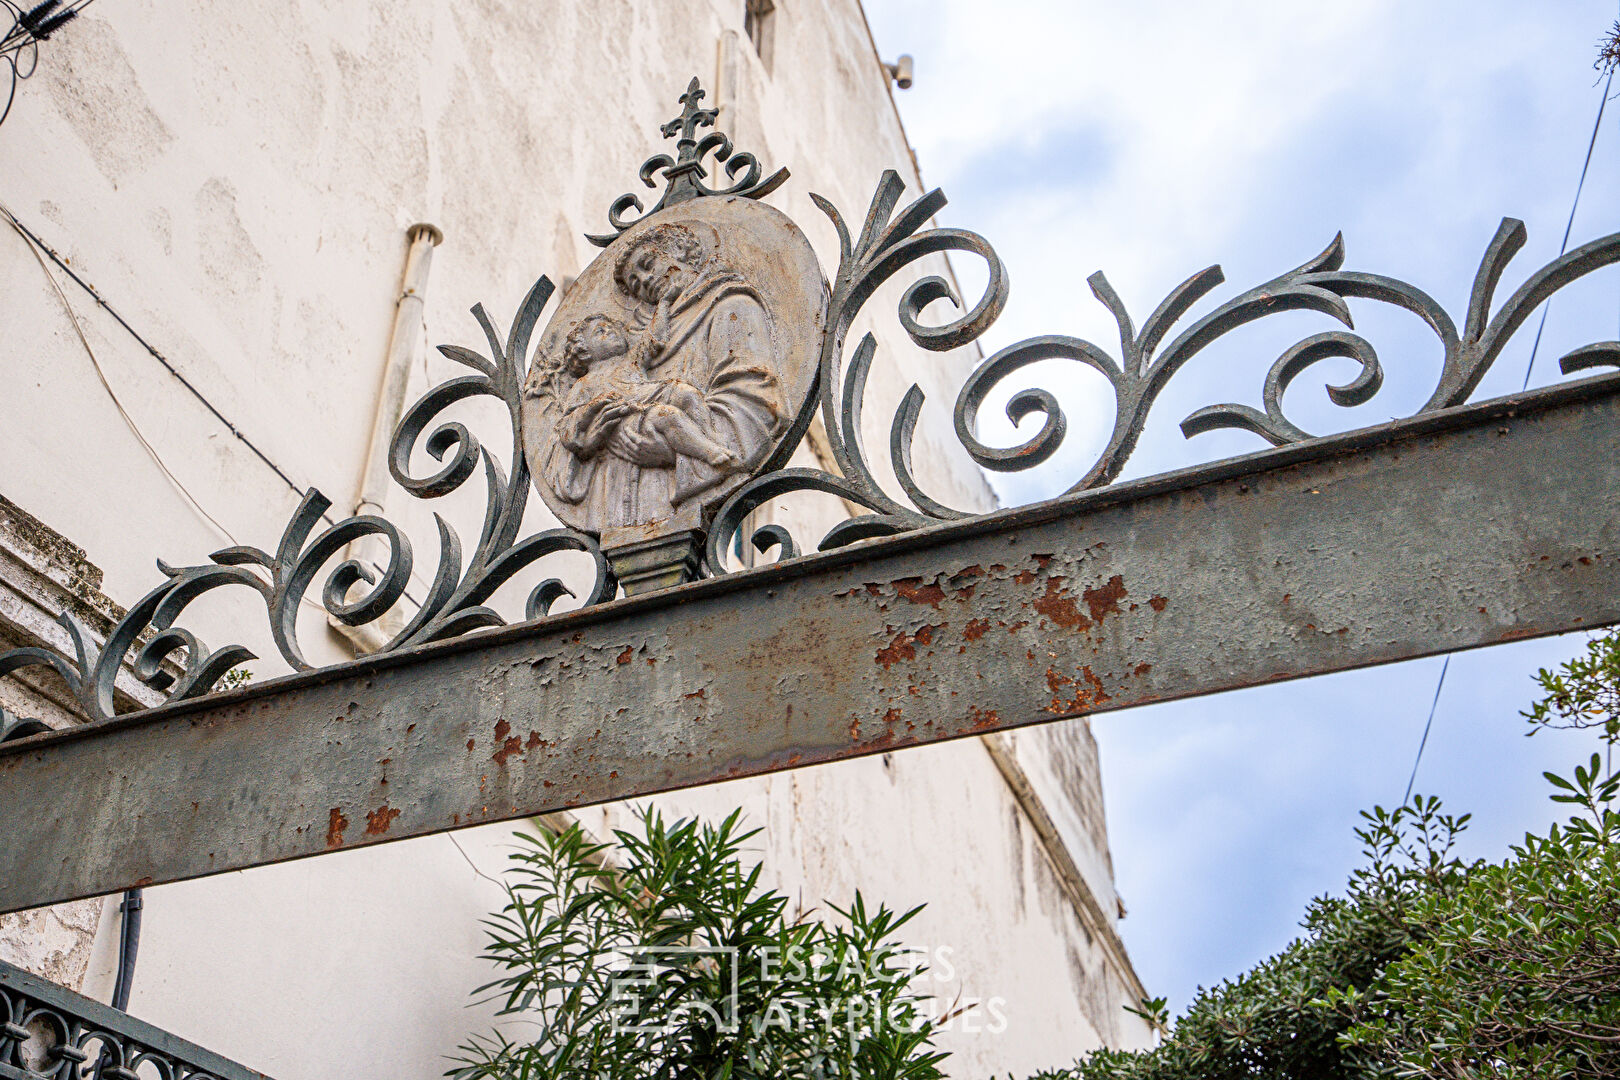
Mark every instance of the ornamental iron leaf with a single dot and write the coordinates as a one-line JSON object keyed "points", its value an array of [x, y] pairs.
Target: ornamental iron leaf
{"points": [[684, 173], [456, 601], [1144, 364], [890, 239]]}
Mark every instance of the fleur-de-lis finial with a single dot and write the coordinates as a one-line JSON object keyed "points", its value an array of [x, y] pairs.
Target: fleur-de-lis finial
{"points": [[691, 118], [684, 173]]}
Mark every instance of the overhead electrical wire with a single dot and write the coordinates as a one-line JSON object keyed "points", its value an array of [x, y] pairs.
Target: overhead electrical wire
{"points": [[1563, 247], [1570, 225], [101, 374], [41, 250]]}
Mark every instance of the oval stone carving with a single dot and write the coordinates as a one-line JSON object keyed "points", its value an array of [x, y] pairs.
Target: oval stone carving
{"points": [[673, 368]]}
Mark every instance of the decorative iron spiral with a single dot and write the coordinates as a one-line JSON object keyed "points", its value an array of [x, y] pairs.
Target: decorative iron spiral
{"points": [[1144, 365]]}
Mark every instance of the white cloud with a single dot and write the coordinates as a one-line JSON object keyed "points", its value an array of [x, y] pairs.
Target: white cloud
{"points": [[1151, 139]]}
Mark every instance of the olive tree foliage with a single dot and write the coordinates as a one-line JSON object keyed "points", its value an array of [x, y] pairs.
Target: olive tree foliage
{"points": [[1429, 966], [672, 962]]}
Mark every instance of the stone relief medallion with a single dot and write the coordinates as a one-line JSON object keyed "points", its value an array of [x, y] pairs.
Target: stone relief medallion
{"points": [[674, 368]]}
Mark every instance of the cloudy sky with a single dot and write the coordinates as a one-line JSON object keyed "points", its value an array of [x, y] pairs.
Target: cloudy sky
{"points": [[1150, 140]]}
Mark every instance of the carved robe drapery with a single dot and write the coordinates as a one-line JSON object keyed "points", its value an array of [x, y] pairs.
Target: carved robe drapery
{"points": [[720, 343]]}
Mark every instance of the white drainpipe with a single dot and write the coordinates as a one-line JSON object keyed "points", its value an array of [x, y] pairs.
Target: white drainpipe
{"points": [[404, 349]]}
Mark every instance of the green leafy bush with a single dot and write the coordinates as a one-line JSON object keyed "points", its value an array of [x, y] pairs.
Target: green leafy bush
{"points": [[727, 983], [1428, 967], [1518, 973]]}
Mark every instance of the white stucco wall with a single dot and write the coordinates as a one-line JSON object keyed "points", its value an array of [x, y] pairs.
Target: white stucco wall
{"points": [[236, 181]]}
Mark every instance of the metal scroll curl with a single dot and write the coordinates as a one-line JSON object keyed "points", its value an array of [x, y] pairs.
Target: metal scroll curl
{"points": [[1144, 363], [456, 601], [887, 243], [684, 173]]}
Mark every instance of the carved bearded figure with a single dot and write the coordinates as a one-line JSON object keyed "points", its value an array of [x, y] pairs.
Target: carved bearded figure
{"points": [[651, 426]]}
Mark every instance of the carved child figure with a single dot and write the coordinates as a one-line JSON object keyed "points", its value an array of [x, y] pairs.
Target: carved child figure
{"points": [[613, 387]]}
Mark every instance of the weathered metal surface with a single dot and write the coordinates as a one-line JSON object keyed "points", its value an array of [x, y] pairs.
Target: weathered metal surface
{"points": [[171, 660], [1456, 529], [49, 1031]]}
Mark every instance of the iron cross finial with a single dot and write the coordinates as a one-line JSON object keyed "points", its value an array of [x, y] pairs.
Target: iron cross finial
{"points": [[684, 173], [691, 118]]}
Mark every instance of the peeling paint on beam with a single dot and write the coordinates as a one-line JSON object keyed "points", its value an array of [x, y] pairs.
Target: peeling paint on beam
{"points": [[1487, 523]]}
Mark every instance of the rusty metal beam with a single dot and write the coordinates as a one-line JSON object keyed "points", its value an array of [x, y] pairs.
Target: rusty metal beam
{"points": [[1457, 529]]}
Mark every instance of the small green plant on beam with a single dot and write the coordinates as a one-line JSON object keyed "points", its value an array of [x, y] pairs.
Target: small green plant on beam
{"points": [[674, 963], [237, 676]]}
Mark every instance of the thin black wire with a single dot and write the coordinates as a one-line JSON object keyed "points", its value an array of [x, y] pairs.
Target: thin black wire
{"points": [[167, 366], [1563, 247], [1410, 780], [159, 357], [1569, 227]]}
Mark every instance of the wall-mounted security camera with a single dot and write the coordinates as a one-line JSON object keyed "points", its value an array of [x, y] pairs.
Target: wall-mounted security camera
{"points": [[900, 72]]}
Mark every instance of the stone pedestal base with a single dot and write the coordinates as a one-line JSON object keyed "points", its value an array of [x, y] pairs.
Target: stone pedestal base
{"points": [[659, 562]]}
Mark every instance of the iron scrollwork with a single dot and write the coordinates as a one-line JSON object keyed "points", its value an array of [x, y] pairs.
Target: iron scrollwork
{"points": [[684, 173], [50, 1033], [456, 600], [176, 663], [888, 242]]}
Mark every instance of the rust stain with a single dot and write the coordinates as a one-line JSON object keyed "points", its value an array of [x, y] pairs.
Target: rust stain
{"points": [[1141, 669], [335, 824], [976, 629], [904, 646], [855, 730], [982, 719], [624, 657], [536, 741], [470, 744], [879, 742], [513, 745], [378, 820], [502, 730], [1087, 690], [1059, 607], [967, 572], [698, 693], [1158, 603], [913, 589], [1102, 601], [892, 716]]}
